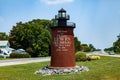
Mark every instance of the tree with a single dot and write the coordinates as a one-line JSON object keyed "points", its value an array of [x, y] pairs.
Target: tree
{"points": [[33, 36], [92, 47], [118, 36], [116, 45], [108, 49], [77, 44], [85, 48], [3, 36], [13, 37]]}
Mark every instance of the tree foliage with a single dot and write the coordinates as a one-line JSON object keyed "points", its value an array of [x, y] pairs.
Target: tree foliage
{"points": [[115, 47], [3, 36], [77, 44], [82, 47], [33, 36], [85, 48], [92, 47]]}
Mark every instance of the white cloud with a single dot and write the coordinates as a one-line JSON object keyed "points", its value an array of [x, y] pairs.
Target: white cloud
{"points": [[50, 2]]}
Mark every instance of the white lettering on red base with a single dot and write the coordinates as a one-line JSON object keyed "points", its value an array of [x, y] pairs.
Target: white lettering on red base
{"points": [[62, 41]]}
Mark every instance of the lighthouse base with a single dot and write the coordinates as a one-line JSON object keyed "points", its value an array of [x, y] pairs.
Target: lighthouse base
{"points": [[63, 67]]}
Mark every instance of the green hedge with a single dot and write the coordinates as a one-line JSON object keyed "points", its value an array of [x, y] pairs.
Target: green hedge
{"points": [[19, 55], [80, 56]]}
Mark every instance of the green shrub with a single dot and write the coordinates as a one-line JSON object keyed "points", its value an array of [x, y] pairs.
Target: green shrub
{"points": [[80, 56], [30, 51], [19, 55]]}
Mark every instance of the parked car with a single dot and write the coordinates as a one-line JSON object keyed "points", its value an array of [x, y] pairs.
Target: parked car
{"points": [[111, 53], [22, 51]]}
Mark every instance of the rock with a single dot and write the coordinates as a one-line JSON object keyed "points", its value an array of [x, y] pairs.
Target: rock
{"points": [[66, 71], [48, 71]]}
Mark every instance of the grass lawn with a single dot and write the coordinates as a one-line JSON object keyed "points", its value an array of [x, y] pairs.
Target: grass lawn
{"points": [[4, 58], [8, 58], [107, 68]]}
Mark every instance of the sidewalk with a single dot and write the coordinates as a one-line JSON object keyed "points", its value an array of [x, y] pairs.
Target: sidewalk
{"points": [[23, 61]]}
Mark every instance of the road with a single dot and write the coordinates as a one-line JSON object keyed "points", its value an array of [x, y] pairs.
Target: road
{"points": [[22, 61], [102, 54], [31, 60]]}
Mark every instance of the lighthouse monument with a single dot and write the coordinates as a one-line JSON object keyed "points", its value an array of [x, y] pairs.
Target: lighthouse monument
{"points": [[62, 47]]}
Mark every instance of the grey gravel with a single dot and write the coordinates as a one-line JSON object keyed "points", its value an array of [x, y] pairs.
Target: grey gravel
{"points": [[49, 71]]}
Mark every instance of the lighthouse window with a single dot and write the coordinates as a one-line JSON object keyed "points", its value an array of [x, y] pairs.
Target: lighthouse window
{"points": [[63, 15], [59, 14]]}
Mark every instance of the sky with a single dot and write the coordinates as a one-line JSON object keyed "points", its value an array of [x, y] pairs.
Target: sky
{"points": [[97, 21]]}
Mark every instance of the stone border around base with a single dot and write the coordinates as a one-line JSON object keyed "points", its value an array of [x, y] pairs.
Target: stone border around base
{"points": [[49, 71]]}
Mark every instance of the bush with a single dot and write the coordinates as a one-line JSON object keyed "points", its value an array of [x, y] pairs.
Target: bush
{"points": [[30, 51], [19, 55], [93, 57], [80, 56]]}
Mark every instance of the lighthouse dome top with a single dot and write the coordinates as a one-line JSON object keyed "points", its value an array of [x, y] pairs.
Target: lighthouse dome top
{"points": [[62, 10], [62, 18]]}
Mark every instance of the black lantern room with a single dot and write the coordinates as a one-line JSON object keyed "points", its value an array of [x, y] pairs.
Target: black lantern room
{"points": [[62, 17]]}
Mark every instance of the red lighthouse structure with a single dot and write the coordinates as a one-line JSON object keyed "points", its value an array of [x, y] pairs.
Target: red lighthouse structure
{"points": [[62, 47]]}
